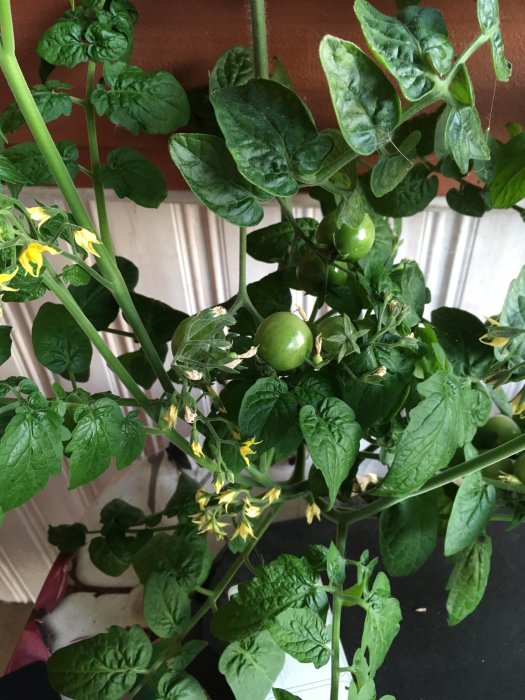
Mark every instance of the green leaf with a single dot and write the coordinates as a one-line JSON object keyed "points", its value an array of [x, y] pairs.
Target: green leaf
{"points": [[383, 616], [269, 412], [233, 67], [75, 38], [132, 175], [408, 534], [114, 554], [468, 580], [75, 275], [9, 173], [68, 538], [413, 194], [458, 333], [132, 440], [461, 87], [396, 48], [465, 138], [51, 100], [59, 342], [272, 244], [29, 161], [468, 199], [182, 502], [118, 515], [166, 604], [180, 686], [391, 170], [251, 666], [96, 438], [513, 316], [268, 295], [270, 134], [332, 436], [280, 694], [160, 319], [335, 566], [426, 24], [365, 103], [31, 451], [105, 666], [211, 173], [488, 18], [287, 582], [302, 634], [473, 506], [186, 555], [5, 343], [446, 419], [508, 182]]}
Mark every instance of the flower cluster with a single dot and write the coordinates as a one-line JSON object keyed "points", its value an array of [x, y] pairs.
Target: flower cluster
{"points": [[214, 509]]}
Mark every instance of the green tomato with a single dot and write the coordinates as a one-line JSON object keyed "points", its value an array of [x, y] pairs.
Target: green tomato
{"points": [[284, 341], [352, 243], [333, 325], [497, 431], [505, 466], [519, 468], [311, 273], [337, 274]]}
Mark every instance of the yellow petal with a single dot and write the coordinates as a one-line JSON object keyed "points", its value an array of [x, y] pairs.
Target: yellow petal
{"points": [[38, 214], [86, 239], [33, 255], [197, 449]]}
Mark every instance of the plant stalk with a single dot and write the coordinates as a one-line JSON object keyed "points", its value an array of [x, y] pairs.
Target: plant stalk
{"points": [[342, 531], [259, 38], [94, 155]]}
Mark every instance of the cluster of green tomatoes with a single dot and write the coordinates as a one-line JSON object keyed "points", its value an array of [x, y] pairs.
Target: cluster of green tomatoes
{"points": [[284, 340], [497, 431]]}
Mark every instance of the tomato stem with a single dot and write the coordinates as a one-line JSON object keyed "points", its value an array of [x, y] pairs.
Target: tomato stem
{"points": [[259, 38]]}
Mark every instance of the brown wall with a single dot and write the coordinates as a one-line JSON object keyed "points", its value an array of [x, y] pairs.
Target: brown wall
{"points": [[187, 37]]}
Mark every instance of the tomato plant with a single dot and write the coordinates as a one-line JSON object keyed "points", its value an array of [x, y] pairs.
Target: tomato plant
{"points": [[250, 387], [284, 341]]}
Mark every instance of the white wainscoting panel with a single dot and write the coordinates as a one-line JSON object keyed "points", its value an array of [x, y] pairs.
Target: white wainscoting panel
{"points": [[188, 258]]}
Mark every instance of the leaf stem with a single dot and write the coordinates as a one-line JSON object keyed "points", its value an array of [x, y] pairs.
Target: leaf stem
{"points": [[341, 535], [259, 38], [95, 160], [448, 476]]}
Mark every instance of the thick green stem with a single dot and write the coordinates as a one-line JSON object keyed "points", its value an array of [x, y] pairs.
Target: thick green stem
{"points": [[342, 530], [24, 99], [8, 37], [89, 329], [243, 298], [448, 476], [210, 602], [95, 160], [259, 38]]}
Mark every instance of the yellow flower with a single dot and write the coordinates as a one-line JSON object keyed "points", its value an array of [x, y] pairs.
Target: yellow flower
{"points": [[246, 449], [207, 523], [202, 497], [227, 497], [518, 404], [86, 239], [218, 484], [197, 449], [272, 495], [312, 511], [38, 214], [171, 416], [34, 255], [244, 530], [7, 277], [251, 511]]}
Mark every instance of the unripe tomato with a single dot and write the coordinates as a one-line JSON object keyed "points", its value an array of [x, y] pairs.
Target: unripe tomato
{"points": [[497, 431], [519, 468], [505, 466], [284, 341], [311, 273], [333, 325], [337, 274], [351, 242], [347, 298]]}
